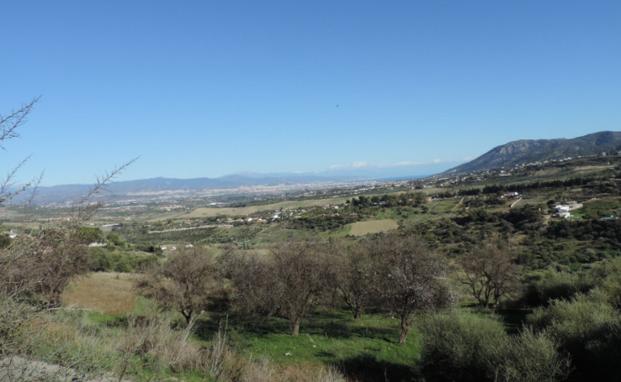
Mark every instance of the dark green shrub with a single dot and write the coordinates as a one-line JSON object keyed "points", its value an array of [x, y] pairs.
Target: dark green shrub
{"points": [[86, 235], [116, 239], [589, 330], [469, 347], [461, 346], [106, 260], [98, 260], [549, 285], [524, 218]]}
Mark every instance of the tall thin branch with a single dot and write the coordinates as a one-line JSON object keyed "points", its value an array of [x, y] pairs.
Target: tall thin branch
{"points": [[86, 209], [7, 191], [10, 123], [35, 187]]}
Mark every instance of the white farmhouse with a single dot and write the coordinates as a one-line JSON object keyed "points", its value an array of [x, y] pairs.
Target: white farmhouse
{"points": [[562, 211]]}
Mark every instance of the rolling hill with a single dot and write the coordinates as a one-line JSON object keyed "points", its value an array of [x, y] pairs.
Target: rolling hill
{"points": [[534, 150]]}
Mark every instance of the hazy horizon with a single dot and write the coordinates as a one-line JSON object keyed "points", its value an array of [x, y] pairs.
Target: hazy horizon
{"points": [[342, 173]]}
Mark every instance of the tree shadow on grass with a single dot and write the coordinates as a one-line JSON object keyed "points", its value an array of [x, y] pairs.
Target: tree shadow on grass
{"points": [[342, 325], [386, 334], [262, 326], [326, 324], [366, 368], [208, 326]]}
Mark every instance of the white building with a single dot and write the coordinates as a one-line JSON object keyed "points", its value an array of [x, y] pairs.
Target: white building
{"points": [[562, 210]]}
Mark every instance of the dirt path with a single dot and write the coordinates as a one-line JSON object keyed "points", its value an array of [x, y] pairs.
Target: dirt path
{"points": [[515, 203]]}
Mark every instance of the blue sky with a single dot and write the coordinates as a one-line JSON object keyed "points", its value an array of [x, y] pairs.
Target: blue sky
{"points": [[204, 88]]}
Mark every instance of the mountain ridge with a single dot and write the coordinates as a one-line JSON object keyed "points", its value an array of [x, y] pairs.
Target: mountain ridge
{"points": [[524, 151]]}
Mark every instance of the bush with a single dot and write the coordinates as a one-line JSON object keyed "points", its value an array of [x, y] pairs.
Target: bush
{"points": [[552, 285], [86, 235], [5, 240], [532, 357], [13, 316], [524, 218], [105, 260], [39, 266], [589, 330], [607, 275], [468, 347], [460, 346]]}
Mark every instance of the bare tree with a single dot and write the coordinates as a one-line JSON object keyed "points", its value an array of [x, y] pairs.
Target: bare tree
{"points": [[40, 265], [253, 285], [299, 272], [409, 277], [353, 271], [184, 283], [489, 272]]}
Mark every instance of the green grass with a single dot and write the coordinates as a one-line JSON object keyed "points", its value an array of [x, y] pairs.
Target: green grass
{"points": [[329, 338], [600, 208]]}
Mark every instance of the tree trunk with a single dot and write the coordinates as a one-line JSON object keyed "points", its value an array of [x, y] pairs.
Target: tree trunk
{"points": [[357, 312], [187, 315], [295, 327], [405, 329]]}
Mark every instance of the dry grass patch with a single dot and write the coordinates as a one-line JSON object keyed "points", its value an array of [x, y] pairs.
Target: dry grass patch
{"points": [[109, 293], [373, 226]]}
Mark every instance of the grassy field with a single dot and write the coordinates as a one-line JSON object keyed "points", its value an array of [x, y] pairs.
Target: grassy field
{"points": [[599, 208], [331, 338], [372, 226], [366, 349], [108, 293]]}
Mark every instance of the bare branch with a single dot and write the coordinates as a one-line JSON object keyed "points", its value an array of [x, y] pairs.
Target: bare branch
{"points": [[35, 187], [11, 122], [86, 209], [6, 191]]}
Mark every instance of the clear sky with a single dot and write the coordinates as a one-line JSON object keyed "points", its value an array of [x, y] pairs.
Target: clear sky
{"points": [[206, 88]]}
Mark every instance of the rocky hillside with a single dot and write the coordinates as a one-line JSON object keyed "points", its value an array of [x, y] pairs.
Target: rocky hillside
{"points": [[533, 150]]}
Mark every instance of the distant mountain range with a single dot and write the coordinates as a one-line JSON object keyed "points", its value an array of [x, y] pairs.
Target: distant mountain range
{"points": [[183, 187], [533, 150], [504, 156], [173, 188]]}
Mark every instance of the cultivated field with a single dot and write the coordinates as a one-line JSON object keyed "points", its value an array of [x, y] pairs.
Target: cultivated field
{"points": [[372, 226]]}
